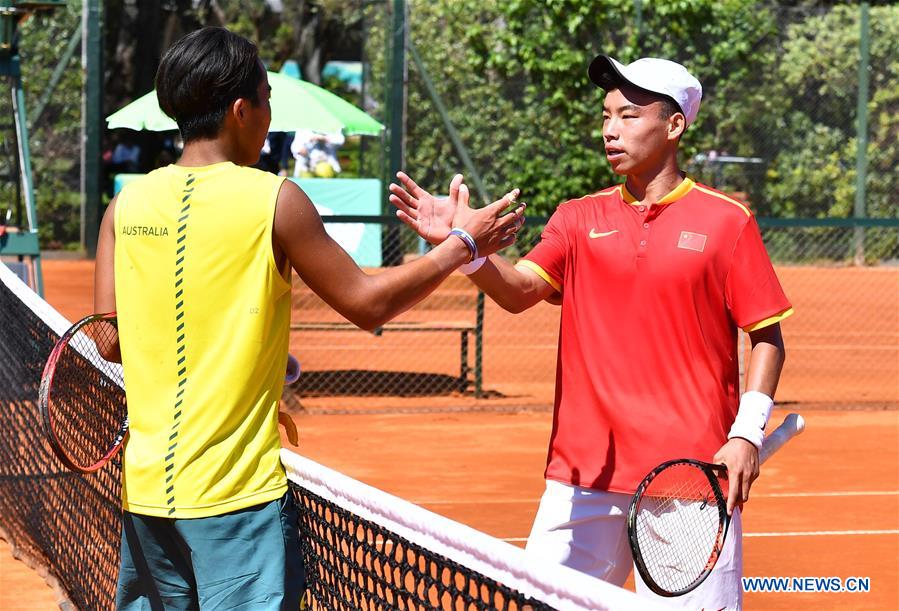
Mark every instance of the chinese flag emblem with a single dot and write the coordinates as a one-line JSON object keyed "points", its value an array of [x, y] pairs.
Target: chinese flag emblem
{"points": [[691, 241]]}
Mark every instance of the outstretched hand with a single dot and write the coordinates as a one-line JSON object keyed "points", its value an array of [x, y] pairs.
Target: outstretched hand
{"points": [[433, 217], [493, 226], [430, 217]]}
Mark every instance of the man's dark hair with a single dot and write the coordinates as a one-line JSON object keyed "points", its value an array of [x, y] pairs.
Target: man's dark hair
{"points": [[202, 74], [669, 107]]}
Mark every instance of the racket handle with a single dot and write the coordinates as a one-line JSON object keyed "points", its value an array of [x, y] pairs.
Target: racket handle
{"points": [[792, 425]]}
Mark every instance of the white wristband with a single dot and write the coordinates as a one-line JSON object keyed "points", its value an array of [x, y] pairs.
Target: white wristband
{"points": [[755, 409], [472, 266]]}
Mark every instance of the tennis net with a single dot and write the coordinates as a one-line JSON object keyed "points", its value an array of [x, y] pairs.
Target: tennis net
{"points": [[362, 548]]}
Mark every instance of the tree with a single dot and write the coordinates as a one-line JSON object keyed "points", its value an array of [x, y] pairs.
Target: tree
{"points": [[779, 84], [513, 73], [812, 97], [136, 36], [55, 139]]}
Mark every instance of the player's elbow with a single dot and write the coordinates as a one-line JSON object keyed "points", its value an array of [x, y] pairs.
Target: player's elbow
{"points": [[368, 323], [368, 315], [517, 299], [513, 306], [778, 348], [365, 319]]}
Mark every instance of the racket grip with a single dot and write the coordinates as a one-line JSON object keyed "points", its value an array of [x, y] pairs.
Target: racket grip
{"points": [[792, 425]]}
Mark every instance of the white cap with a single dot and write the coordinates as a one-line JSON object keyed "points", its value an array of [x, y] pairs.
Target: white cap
{"points": [[651, 74]]}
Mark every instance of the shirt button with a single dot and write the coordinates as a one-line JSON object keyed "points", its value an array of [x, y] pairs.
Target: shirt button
{"points": [[641, 208], [645, 225], [643, 243]]}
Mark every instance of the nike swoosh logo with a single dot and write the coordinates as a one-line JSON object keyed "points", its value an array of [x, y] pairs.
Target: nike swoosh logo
{"points": [[604, 234]]}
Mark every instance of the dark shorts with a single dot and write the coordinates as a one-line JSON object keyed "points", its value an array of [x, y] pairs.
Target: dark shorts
{"points": [[247, 559]]}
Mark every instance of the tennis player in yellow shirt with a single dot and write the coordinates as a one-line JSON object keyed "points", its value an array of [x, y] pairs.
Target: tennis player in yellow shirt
{"points": [[196, 259]]}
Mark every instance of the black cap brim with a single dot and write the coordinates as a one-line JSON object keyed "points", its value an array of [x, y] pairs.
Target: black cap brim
{"points": [[604, 74]]}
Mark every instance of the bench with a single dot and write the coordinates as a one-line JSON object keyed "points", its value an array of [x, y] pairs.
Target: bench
{"points": [[463, 328]]}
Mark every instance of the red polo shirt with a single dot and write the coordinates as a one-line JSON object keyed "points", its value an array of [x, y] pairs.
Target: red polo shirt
{"points": [[652, 296]]}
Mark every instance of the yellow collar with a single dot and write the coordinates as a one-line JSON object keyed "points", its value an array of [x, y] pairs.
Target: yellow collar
{"points": [[679, 191]]}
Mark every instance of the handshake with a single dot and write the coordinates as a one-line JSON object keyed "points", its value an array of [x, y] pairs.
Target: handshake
{"points": [[484, 230]]}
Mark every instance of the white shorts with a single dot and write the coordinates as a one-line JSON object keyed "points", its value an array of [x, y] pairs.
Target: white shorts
{"points": [[587, 530]]}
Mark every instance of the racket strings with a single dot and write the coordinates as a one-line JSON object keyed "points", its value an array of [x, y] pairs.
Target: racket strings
{"points": [[87, 401], [679, 526]]}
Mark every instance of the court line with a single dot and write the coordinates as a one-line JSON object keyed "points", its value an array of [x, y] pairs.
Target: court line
{"points": [[331, 347], [845, 334], [786, 495], [533, 347], [812, 533], [823, 533], [867, 347], [813, 494]]}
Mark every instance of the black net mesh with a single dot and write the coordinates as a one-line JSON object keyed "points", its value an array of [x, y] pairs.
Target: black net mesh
{"points": [[54, 517], [353, 563]]}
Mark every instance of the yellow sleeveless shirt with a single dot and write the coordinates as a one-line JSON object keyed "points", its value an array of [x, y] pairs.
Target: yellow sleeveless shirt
{"points": [[203, 317]]}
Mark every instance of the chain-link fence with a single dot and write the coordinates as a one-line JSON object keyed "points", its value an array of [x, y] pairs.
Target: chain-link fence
{"points": [[786, 91], [842, 342], [799, 120], [779, 128]]}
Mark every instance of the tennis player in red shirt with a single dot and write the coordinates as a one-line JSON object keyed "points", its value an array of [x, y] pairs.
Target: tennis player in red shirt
{"points": [[654, 277]]}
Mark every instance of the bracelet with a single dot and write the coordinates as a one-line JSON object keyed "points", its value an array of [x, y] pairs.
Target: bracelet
{"points": [[472, 266], [469, 241], [755, 409]]}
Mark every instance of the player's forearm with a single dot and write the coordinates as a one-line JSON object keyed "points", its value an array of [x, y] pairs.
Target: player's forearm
{"points": [[384, 296], [766, 360], [104, 264], [104, 282], [508, 286]]}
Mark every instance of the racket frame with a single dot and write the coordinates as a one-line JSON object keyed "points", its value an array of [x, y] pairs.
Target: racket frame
{"points": [[711, 473], [45, 391], [792, 426]]}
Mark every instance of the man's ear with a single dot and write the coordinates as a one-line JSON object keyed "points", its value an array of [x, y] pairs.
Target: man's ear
{"points": [[238, 109], [677, 125]]}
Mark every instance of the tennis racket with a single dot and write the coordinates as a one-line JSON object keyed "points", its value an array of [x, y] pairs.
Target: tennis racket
{"points": [[82, 395], [677, 521]]}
